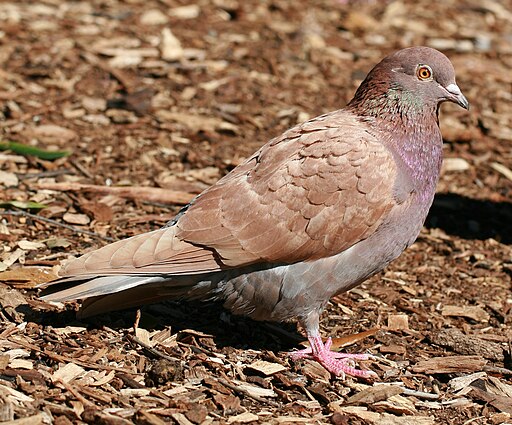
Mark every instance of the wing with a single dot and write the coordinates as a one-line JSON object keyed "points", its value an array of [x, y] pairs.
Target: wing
{"points": [[315, 191]]}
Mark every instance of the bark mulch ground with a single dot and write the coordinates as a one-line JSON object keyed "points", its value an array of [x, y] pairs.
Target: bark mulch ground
{"points": [[171, 95]]}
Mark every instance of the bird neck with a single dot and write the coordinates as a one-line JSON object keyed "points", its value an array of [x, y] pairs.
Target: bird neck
{"points": [[416, 142], [410, 127]]}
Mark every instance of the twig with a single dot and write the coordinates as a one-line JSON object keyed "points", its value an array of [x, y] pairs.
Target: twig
{"points": [[51, 173], [137, 320], [420, 394], [81, 168], [496, 369], [155, 352], [76, 394], [141, 193], [247, 393], [56, 223]]}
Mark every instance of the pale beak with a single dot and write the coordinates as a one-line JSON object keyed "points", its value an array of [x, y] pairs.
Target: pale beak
{"points": [[456, 95]]}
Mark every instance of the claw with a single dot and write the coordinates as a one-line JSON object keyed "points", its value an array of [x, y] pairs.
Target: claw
{"points": [[339, 364]]}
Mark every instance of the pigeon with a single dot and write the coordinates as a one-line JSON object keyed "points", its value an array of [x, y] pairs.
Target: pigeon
{"points": [[313, 213]]}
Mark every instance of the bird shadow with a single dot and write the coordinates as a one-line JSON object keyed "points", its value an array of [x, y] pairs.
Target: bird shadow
{"points": [[470, 218], [199, 319]]}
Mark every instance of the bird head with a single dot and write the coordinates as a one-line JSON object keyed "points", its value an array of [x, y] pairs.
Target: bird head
{"points": [[413, 78]]}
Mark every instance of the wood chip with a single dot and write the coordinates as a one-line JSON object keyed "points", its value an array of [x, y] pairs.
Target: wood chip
{"points": [[14, 394], [21, 364], [243, 418], [266, 368], [500, 168], [143, 335], [8, 179], [27, 277], [135, 392], [39, 419], [254, 390], [455, 164], [68, 372], [190, 11], [170, 46], [374, 394], [31, 245], [397, 322], [153, 17], [471, 312], [461, 382], [468, 344], [356, 411], [396, 404], [50, 133], [73, 218], [450, 364]]}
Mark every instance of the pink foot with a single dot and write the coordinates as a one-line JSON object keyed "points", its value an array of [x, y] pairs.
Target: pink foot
{"points": [[339, 364]]}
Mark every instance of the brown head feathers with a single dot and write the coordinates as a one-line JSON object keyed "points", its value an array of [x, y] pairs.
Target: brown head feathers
{"points": [[416, 79]]}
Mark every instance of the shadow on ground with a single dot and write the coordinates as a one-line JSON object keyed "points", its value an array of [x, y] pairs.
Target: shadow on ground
{"points": [[209, 318], [471, 218]]}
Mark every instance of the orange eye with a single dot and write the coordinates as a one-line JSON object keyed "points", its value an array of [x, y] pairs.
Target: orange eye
{"points": [[424, 72]]}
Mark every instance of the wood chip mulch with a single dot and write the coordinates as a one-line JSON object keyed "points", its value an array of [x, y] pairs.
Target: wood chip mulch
{"points": [[171, 95]]}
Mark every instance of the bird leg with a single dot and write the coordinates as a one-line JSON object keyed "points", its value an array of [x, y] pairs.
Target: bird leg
{"points": [[339, 364]]}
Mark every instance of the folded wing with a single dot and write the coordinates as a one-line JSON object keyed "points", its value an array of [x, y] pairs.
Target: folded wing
{"points": [[313, 192]]}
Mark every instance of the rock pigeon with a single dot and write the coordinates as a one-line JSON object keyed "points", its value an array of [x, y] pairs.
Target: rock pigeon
{"points": [[313, 213]]}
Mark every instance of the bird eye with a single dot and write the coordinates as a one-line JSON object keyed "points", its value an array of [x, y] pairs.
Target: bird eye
{"points": [[424, 72]]}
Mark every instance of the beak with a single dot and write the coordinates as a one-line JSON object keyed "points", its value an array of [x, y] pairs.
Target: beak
{"points": [[456, 96]]}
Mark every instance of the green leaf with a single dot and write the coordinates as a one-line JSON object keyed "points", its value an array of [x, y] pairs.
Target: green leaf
{"points": [[27, 150], [23, 205]]}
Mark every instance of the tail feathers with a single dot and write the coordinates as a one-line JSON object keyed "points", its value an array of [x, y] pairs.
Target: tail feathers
{"points": [[68, 289], [133, 297], [110, 293]]}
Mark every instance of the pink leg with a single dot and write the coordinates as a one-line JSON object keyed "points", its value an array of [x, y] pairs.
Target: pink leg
{"points": [[339, 364]]}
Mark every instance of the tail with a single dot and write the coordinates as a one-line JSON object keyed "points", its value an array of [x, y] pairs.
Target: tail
{"points": [[111, 293]]}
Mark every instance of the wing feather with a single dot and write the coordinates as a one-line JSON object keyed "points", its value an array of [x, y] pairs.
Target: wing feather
{"points": [[317, 190]]}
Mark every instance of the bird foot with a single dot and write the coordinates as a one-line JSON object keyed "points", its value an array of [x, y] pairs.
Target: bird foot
{"points": [[339, 364]]}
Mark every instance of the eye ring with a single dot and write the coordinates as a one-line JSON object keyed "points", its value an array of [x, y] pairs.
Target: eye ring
{"points": [[424, 72]]}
